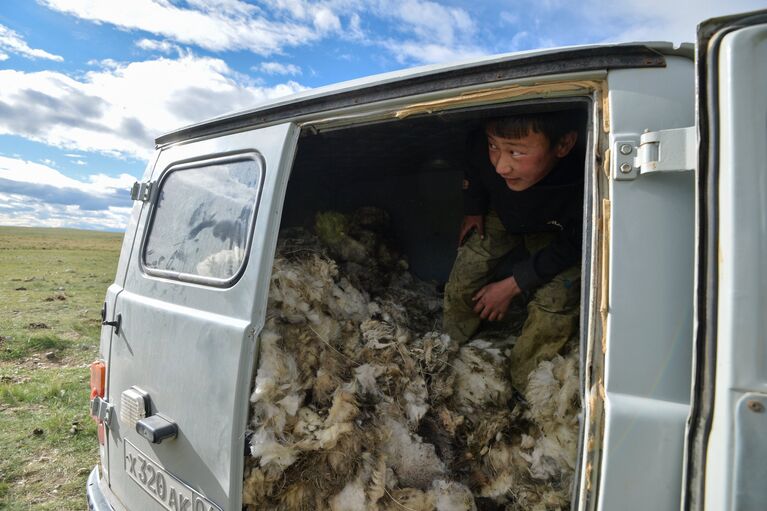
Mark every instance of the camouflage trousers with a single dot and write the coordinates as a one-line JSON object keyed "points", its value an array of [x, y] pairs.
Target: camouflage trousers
{"points": [[552, 311]]}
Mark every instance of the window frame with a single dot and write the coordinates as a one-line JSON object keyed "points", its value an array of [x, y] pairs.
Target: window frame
{"points": [[206, 161]]}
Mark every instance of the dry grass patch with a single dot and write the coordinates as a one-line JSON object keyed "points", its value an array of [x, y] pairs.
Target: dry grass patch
{"points": [[53, 283]]}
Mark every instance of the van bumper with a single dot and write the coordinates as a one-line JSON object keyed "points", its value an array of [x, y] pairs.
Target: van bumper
{"points": [[96, 499]]}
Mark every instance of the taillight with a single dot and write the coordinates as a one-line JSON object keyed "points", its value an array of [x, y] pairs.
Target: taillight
{"points": [[98, 377]]}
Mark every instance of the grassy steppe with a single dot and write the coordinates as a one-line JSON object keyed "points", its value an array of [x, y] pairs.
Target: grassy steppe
{"points": [[52, 285]]}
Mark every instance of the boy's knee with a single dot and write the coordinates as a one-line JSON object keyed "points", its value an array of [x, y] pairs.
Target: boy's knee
{"points": [[560, 294]]}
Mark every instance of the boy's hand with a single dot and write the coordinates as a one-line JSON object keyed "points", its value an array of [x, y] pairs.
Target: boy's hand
{"points": [[471, 222], [492, 301]]}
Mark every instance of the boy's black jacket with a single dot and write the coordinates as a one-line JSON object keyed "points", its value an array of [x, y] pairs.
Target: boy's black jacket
{"points": [[554, 204]]}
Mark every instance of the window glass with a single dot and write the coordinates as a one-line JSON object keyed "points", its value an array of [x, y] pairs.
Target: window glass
{"points": [[202, 219]]}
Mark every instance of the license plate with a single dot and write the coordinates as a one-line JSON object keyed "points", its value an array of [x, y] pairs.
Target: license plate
{"points": [[165, 488]]}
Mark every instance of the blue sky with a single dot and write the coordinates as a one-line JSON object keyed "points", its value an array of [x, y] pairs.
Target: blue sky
{"points": [[86, 85]]}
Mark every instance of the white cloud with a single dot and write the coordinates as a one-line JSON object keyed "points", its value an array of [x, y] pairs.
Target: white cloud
{"points": [[19, 210], [277, 68], [660, 20], [12, 42], [447, 33], [120, 109], [36, 194], [218, 26], [429, 32], [229, 7], [160, 46], [414, 51], [325, 20], [322, 15], [15, 169], [430, 21], [354, 30], [555, 22], [104, 63]]}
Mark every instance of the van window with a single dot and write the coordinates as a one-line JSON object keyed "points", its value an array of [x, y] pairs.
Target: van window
{"points": [[202, 220]]}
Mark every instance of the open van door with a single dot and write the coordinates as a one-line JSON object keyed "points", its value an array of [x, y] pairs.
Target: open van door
{"points": [[187, 321], [727, 435]]}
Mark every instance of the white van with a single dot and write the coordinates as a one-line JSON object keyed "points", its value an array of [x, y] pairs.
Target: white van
{"points": [[674, 293]]}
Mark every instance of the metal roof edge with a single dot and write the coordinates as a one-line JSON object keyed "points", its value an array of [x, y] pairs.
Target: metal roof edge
{"points": [[423, 79]]}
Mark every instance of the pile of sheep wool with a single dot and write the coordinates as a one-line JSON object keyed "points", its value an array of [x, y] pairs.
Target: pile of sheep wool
{"points": [[358, 404]]}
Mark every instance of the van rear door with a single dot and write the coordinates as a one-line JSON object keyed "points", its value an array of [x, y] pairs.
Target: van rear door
{"points": [[188, 320], [726, 442]]}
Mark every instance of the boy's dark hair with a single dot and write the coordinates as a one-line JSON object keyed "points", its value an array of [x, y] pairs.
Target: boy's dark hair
{"points": [[554, 125]]}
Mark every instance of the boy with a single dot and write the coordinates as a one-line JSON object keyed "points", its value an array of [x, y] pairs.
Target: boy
{"points": [[523, 193]]}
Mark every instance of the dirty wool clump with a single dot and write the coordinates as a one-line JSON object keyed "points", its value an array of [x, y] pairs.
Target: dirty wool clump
{"points": [[359, 404]]}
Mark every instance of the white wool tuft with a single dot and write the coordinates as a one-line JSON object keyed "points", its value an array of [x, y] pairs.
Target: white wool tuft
{"points": [[365, 376], [308, 422], [352, 303], [480, 381], [277, 393], [377, 333], [552, 393], [264, 446], [452, 496], [343, 409], [359, 404], [416, 397], [351, 498], [277, 370], [416, 463]]}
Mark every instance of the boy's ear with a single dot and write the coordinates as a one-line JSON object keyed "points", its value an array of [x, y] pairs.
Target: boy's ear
{"points": [[565, 144]]}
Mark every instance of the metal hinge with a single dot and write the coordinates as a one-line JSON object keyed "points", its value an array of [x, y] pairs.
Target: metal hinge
{"points": [[141, 191], [674, 150], [102, 410]]}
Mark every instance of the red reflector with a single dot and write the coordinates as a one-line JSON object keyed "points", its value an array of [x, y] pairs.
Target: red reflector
{"points": [[102, 433], [98, 377]]}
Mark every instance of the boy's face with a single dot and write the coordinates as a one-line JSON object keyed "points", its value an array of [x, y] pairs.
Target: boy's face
{"points": [[522, 162]]}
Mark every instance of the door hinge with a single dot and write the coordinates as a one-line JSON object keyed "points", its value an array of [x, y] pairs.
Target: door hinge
{"points": [[141, 191], [674, 150], [102, 410]]}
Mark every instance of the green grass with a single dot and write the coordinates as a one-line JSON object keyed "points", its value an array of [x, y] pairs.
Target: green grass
{"points": [[52, 284]]}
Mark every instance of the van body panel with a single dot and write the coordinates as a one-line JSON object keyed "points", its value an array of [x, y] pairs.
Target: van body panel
{"points": [[649, 317], [734, 326], [191, 346]]}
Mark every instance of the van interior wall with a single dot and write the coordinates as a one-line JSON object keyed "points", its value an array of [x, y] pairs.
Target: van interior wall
{"points": [[411, 168]]}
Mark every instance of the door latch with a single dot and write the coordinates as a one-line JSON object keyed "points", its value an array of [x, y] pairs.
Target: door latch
{"points": [[115, 324]]}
